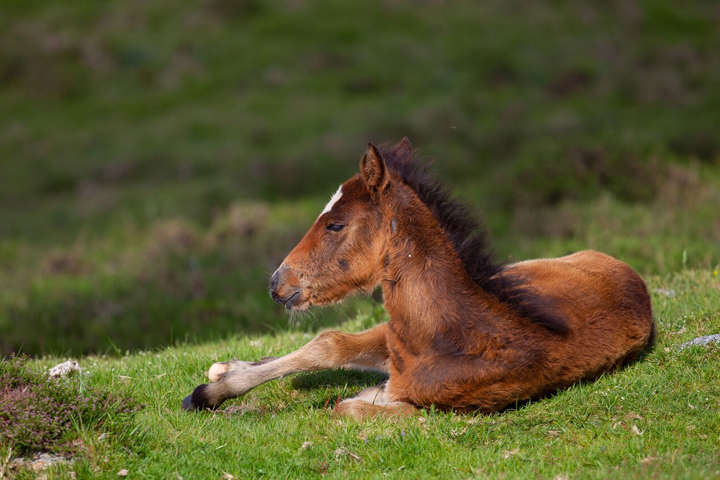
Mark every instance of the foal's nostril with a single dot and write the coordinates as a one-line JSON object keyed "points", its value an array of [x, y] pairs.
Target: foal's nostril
{"points": [[282, 288]]}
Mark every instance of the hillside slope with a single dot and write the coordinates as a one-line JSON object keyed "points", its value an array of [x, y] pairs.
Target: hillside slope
{"points": [[656, 418]]}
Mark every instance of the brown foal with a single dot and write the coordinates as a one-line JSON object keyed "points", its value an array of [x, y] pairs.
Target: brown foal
{"points": [[465, 333]]}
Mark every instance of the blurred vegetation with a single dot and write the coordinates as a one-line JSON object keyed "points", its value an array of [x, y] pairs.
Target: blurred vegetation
{"points": [[157, 163]]}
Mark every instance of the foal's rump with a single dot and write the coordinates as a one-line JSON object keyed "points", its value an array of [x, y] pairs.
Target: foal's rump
{"points": [[606, 306]]}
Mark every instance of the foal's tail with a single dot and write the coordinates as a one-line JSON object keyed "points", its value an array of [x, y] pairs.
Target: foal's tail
{"points": [[653, 336]]}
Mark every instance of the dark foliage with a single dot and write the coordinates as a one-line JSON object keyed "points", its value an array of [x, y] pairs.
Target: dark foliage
{"points": [[38, 413]]}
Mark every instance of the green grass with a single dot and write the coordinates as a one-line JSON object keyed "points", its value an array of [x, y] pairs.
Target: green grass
{"points": [[656, 418]]}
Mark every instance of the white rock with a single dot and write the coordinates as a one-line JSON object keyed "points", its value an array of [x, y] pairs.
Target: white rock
{"points": [[700, 341], [64, 369]]}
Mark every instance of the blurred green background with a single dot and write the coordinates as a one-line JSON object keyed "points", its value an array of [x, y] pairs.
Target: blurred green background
{"points": [[159, 159]]}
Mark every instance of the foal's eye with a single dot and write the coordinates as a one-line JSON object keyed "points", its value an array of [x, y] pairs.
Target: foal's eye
{"points": [[335, 227]]}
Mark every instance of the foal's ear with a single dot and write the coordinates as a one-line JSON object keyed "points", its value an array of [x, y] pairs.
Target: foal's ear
{"points": [[403, 150], [374, 170]]}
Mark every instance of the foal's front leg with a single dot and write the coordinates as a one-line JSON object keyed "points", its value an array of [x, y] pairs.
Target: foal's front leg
{"points": [[217, 370], [328, 350]]}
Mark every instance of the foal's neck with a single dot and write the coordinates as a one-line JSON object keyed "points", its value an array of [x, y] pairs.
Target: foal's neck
{"points": [[424, 282]]}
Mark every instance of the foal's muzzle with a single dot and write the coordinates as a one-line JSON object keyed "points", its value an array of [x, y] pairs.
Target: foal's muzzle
{"points": [[283, 292]]}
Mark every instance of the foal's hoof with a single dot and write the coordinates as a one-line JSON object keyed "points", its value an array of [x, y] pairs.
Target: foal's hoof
{"points": [[197, 400], [187, 404]]}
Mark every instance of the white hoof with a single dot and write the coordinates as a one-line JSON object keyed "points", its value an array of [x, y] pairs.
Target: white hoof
{"points": [[217, 370]]}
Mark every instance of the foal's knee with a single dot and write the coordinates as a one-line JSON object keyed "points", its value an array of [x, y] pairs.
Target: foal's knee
{"points": [[332, 347]]}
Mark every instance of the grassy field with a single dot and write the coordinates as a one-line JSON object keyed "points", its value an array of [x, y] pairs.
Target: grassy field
{"points": [[654, 419], [157, 163]]}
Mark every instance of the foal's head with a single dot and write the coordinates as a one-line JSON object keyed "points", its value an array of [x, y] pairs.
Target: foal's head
{"points": [[343, 252]]}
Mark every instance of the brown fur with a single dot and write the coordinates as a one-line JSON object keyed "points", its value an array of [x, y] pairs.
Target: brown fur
{"points": [[465, 333]]}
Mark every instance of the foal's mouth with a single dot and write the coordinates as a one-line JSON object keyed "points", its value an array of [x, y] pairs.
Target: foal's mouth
{"points": [[294, 298], [290, 302]]}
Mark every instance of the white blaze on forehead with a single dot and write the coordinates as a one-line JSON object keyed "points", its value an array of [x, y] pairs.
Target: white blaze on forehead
{"points": [[332, 201]]}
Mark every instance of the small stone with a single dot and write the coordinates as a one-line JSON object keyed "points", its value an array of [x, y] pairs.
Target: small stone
{"points": [[306, 445], [344, 452], [700, 341], [679, 332], [39, 463], [123, 473], [666, 292], [509, 453], [64, 369]]}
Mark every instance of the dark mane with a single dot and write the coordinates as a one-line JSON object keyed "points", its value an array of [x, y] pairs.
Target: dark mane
{"points": [[469, 238]]}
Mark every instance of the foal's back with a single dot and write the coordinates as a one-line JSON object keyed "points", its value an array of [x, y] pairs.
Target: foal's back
{"points": [[606, 305]]}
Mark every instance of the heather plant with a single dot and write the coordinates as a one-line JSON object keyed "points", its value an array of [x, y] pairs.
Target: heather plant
{"points": [[38, 413]]}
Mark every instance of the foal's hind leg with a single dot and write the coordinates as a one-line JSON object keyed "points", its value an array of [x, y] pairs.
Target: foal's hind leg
{"points": [[372, 402], [328, 350]]}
